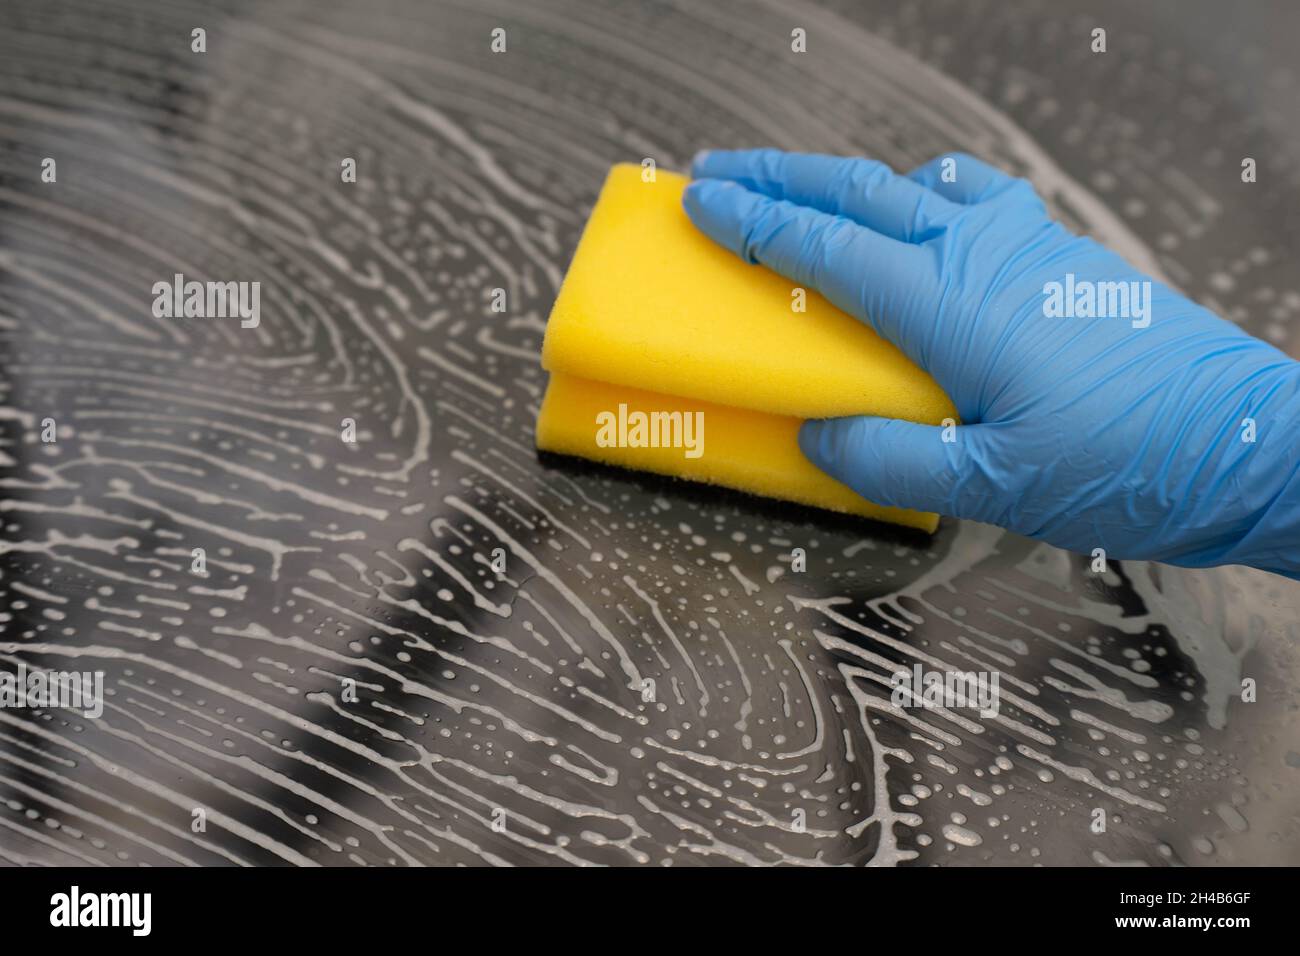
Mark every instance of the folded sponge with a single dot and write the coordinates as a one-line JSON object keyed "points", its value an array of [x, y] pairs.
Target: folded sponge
{"points": [[654, 317]]}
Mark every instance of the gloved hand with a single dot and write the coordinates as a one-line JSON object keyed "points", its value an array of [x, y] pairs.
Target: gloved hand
{"points": [[1165, 433]]}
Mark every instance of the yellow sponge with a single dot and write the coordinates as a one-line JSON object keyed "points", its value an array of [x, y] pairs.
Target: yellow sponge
{"points": [[655, 317]]}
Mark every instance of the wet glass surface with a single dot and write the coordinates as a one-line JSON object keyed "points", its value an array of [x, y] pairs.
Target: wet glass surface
{"points": [[350, 679]]}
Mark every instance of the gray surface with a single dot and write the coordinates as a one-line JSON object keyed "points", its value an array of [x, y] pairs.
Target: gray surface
{"points": [[369, 561]]}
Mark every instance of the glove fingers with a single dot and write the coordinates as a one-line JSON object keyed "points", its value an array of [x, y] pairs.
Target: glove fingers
{"points": [[961, 178], [864, 190], [906, 465], [877, 279]]}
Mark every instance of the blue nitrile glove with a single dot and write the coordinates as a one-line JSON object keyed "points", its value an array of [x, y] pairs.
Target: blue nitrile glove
{"points": [[1128, 433]]}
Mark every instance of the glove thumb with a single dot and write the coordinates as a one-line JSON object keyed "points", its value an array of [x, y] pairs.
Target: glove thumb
{"points": [[894, 462]]}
